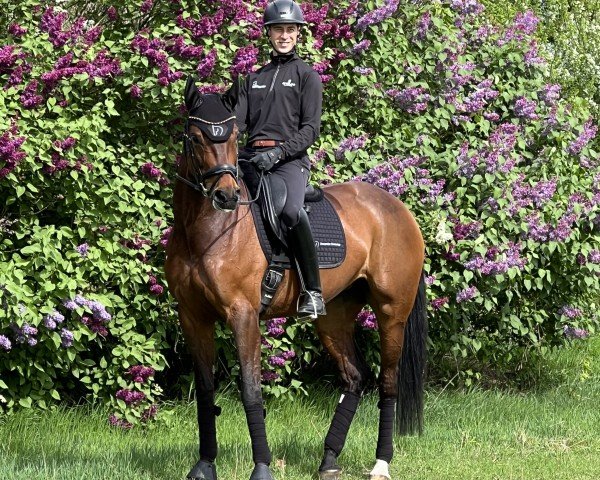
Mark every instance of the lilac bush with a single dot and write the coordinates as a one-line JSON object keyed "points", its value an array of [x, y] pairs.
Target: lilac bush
{"points": [[453, 115]]}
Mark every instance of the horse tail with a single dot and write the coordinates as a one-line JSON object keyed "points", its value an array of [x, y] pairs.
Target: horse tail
{"points": [[411, 369]]}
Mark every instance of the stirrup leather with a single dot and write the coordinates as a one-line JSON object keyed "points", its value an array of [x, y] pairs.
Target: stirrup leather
{"points": [[311, 304]]}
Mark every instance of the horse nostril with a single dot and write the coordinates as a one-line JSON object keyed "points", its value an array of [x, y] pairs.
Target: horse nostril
{"points": [[220, 196]]}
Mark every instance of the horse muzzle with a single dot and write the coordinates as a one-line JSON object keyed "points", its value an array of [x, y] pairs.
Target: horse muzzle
{"points": [[226, 201]]}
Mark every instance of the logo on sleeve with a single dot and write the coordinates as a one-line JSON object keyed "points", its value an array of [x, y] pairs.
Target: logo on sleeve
{"points": [[256, 85], [288, 83]]}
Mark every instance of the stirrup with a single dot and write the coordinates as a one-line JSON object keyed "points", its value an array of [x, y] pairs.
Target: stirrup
{"points": [[310, 305]]}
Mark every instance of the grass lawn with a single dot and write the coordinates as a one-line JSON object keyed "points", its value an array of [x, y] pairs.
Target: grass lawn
{"points": [[552, 433]]}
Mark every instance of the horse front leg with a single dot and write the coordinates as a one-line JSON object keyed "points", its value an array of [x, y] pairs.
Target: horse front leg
{"points": [[247, 337], [199, 335]]}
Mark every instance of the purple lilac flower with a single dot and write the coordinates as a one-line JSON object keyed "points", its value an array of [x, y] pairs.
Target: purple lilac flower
{"points": [[83, 249], [149, 413], [378, 15], [350, 144], [588, 133], [570, 312], [66, 337], [525, 109], [361, 46], [265, 343], [467, 164], [274, 326], [119, 422], [5, 343], [30, 98], [594, 256], [276, 361], [467, 7], [147, 6], [10, 150], [491, 116], [411, 100], [466, 294], [207, 64], [95, 325], [462, 231], [531, 56], [491, 265], [16, 30], [423, 26], [155, 287], [363, 70], [135, 91], [367, 319], [140, 373], [112, 13], [575, 333], [288, 355], [130, 397], [478, 100], [526, 22], [550, 94], [53, 319], [269, 376], [244, 60], [150, 170], [438, 303], [430, 279]]}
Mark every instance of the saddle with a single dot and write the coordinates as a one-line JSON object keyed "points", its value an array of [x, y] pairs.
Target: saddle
{"points": [[325, 223]]}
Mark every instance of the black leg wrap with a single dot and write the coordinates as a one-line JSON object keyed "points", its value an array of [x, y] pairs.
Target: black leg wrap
{"points": [[258, 434], [385, 441], [207, 413], [203, 471], [344, 413]]}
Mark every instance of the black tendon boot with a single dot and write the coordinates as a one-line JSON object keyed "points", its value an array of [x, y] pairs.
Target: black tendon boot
{"points": [[310, 302]]}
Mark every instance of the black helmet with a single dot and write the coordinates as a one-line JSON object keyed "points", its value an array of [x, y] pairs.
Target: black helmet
{"points": [[283, 11]]}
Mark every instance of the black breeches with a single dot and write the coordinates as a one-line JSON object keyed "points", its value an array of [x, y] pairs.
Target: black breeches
{"points": [[295, 176]]}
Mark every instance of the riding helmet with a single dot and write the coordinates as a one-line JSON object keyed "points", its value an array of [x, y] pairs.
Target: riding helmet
{"points": [[283, 11]]}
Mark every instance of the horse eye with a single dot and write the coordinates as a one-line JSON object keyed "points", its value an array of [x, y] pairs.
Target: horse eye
{"points": [[196, 140]]}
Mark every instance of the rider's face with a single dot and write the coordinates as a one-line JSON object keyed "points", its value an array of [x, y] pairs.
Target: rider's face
{"points": [[283, 37]]}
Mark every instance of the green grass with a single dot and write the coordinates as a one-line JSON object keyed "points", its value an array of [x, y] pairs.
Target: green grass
{"points": [[548, 434]]}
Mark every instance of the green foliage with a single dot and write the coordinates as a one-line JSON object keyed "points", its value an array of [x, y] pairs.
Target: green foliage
{"points": [[568, 33]]}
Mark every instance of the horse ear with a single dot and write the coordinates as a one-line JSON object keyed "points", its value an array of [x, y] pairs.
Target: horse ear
{"points": [[192, 95], [230, 97]]}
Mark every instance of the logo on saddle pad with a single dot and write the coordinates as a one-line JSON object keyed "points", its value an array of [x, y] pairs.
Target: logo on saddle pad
{"points": [[256, 85], [289, 83]]}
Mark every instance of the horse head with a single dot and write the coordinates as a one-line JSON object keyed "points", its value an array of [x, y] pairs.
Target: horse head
{"points": [[209, 162]]}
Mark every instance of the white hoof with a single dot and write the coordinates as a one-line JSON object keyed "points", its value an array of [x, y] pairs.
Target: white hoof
{"points": [[381, 471]]}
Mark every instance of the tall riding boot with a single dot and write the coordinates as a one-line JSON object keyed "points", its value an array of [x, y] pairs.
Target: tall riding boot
{"points": [[310, 302]]}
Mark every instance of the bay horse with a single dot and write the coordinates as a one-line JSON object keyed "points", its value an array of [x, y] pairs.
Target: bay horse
{"points": [[214, 269]]}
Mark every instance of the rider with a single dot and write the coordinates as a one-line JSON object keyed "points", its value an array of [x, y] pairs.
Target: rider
{"points": [[279, 107]]}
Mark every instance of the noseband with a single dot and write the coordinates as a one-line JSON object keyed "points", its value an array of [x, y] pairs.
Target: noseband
{"points": [[200, 177]]}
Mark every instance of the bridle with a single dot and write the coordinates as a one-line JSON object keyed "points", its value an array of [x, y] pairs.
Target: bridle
{"points": [[200, 177]]}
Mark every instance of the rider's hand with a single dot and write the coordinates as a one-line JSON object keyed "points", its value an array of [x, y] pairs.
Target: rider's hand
{"points": [[265, 160]]}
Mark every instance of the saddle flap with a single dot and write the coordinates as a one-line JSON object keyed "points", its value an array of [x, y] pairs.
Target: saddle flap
{"points": [[272, 203]]}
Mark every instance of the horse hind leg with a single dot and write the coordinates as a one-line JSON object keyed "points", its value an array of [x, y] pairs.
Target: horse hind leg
{"points": [[403, 345], [336, 331]]}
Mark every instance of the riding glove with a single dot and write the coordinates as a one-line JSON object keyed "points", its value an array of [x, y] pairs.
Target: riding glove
{"points": [[267, 159]]}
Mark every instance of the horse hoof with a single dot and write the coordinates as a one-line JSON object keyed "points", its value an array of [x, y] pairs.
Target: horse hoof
{"points": [[378, 477], [330, 475], [261, 472], [203, 471]]}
